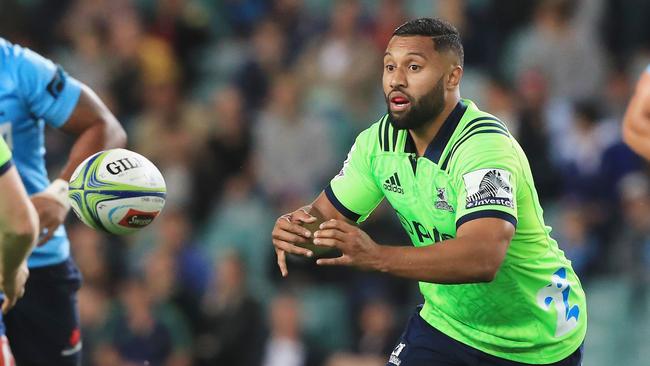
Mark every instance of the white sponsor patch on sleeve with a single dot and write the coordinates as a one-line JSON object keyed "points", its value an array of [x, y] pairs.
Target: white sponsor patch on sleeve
{"points": [[488, 187], [346, 162]]}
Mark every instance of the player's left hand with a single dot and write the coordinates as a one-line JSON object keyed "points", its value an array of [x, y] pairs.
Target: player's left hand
{"points": [[51, 214], [358, 248]]}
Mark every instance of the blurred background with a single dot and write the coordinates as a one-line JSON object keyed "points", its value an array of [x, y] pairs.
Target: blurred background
{"points": [[249, 108]]}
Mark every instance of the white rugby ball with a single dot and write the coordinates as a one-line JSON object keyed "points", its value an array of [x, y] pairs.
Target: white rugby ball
{"points": [[117, 191]]}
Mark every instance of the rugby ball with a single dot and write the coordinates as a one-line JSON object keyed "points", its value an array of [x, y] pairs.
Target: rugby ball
{"points": [[117, 191]]}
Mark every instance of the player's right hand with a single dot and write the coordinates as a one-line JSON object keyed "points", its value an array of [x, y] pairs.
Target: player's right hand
{"points": [[288, 232], [13, 286]]}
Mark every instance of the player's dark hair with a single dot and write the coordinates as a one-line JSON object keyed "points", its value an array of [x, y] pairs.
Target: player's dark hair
{"points": [[444, 35]]}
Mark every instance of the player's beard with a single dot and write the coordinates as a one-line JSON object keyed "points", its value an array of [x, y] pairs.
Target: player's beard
{"points": [[423, 110]]}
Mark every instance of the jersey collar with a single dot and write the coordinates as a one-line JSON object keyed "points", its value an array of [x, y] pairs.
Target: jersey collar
{"points": [[437, 145]]}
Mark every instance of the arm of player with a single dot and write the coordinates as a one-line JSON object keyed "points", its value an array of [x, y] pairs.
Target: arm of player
{"points": [[96, 129], [475, 255], [48, 93], [353, 184], [636, 122], [18, 233], [288, 230]]}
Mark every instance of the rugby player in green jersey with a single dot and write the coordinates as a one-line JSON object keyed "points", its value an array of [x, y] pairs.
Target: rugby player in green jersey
{"points": [[497, 289]]}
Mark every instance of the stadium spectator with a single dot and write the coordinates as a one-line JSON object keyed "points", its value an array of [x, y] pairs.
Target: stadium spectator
{"points": [[284, 133], [230, 135], [231, 325], [285, 345], [139, 331]]}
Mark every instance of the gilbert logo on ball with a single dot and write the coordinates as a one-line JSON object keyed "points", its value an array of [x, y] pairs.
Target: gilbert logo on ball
{"points": [[119, 166], [118, 191]]}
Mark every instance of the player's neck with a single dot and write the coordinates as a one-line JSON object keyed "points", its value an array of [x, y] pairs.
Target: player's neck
{"points": [[425, 134]]}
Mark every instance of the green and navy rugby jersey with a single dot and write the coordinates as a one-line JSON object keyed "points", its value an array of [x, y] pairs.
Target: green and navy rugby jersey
{"points": [[534, 311]]}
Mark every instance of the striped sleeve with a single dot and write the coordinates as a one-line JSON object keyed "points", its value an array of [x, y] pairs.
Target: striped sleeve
{"points": [[485, 169]]}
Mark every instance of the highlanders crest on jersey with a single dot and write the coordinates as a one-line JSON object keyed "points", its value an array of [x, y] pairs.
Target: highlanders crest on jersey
{"points": [[442, 202], [488, 187]]}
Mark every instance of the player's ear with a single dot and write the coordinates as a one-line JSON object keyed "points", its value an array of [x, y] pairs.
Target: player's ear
{"points": [[454, 77]]}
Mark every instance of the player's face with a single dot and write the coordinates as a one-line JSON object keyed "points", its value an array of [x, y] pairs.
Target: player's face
{"points": [[413, 81]]}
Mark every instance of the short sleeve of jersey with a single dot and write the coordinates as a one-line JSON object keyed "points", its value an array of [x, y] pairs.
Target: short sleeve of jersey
{"points": [[47, 90], [5, 157], [484, 174], [353, 191]]}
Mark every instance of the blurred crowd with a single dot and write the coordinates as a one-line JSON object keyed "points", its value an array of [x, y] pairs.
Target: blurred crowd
{"points": [[249, 107]]}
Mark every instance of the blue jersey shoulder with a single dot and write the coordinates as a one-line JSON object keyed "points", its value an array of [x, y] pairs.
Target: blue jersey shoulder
{"points": [[46, 90]]}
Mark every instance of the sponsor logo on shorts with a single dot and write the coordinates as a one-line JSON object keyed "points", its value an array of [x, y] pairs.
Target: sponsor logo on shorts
{"points": [[394, 356], [72, 350], [75, 343]]}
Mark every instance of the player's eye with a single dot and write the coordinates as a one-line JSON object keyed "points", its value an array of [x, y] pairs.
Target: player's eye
{"points": [[389, 67], [414, 67]]}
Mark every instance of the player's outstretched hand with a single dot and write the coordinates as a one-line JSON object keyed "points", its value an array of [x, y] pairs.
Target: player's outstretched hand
{"points": [[288, 232], [51, 214], [13, 286], [358, 248]]}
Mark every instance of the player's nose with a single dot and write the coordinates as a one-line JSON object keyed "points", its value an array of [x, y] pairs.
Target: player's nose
{"points": [[398, 79]]}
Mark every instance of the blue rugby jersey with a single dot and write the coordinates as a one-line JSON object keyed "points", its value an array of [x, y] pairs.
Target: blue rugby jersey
{"points": [[34, 91]]}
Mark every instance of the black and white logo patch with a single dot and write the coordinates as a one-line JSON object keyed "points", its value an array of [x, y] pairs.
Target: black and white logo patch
{"points": [[442, 202], [488, 187]]}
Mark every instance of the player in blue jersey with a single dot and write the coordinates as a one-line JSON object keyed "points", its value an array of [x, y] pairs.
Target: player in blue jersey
{"points": [[43, 327]]}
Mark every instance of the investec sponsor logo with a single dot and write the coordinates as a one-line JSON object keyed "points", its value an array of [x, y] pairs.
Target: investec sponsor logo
{"points": [[491, 201], [392, 184], [488, 187]]}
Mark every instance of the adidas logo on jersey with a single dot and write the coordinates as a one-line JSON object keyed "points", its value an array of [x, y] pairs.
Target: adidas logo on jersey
{"points": [[392, 184]]}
